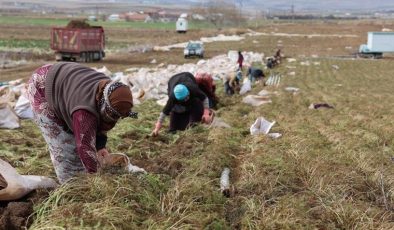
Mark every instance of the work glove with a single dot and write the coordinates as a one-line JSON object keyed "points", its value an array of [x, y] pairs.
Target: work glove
{"points": [[156, 129], [207, 116]]}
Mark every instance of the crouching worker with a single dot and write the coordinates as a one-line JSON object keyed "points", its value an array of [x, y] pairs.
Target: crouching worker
{"points": [[232, 83], [187, 104], [206, 84], [255, 74], [75, 107]]}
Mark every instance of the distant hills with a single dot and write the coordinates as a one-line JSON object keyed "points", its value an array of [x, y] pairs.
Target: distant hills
{"points": [[269, 6], [299, 5]]}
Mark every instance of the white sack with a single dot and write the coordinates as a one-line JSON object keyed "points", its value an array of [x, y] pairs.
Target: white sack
{"points": [[246, 86], [219, 123], [23, 109], [256, 100], [18, 185], [292, 89], [8, 118], [261, 126]]}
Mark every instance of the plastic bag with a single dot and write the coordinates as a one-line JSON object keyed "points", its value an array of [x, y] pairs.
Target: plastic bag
{"points": [[256, 100], [8, 118], [23, 109], [246, 87], [261, 126]]}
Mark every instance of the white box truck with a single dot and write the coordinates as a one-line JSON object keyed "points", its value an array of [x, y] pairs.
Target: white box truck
{"points": [[378, 43]]}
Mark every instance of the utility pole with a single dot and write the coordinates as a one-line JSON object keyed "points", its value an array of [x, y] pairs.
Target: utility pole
{"points": [[292, 12]]}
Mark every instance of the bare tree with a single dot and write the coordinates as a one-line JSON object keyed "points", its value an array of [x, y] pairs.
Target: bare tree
{"points": [[220, 13]]}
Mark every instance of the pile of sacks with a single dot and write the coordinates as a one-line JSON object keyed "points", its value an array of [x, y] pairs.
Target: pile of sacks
{"points": [[151, 83], [14, 104]]}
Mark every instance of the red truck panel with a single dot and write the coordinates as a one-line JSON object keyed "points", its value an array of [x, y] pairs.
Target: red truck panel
{"points": [[77, 40]]}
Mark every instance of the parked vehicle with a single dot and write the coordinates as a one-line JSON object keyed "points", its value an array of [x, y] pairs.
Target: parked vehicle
{"points": [[194, 49], [378, 43], [78, 44], [181, 25]]}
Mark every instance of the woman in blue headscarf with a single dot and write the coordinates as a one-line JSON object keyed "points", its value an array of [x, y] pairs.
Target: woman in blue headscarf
{"points": [[186, 105]]}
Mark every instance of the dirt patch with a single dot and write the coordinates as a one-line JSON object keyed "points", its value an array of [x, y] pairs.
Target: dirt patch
{"points": [[170, 167], [14, 215]]}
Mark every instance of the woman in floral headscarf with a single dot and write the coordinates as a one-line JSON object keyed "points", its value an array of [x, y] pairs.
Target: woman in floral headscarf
{"points": [[75, 106]]}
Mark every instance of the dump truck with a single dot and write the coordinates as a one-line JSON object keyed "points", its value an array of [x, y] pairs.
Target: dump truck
{"points": [[78, 44], [378, 43]]}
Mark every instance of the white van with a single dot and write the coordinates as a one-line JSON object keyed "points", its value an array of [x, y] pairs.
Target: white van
{"points": [[181, 25]]}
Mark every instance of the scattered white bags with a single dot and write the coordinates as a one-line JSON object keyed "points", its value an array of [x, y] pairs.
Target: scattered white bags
{"points": [[14, 186], [261, 126]]}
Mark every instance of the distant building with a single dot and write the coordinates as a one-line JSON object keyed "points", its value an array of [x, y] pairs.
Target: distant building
{"points": [[114, 17], [135, 17], [92, 18]]}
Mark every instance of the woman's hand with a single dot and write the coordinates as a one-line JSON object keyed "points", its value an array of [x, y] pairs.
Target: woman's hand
{"points": [[101, 155], [157, 128]]}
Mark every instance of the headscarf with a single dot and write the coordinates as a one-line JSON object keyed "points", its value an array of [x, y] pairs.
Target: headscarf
{"points": [[116, 98]]}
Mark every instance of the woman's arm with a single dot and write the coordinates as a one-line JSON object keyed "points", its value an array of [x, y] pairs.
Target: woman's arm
{"points": [[85, 129]]}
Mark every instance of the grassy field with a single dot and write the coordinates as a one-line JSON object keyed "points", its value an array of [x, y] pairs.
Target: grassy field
{"points": [[51, 21], [14, 33], [331, 169]]}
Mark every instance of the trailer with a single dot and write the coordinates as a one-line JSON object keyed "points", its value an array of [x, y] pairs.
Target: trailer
{"points": [[378, 43], [78, 44]]}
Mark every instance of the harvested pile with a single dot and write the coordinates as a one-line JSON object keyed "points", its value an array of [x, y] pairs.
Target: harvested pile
{"points": [[78, 24]]}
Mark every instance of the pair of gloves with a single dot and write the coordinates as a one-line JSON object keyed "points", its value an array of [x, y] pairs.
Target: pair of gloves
{"points": [[207, 118]]}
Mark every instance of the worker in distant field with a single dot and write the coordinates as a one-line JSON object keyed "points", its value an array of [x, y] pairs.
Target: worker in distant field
{"points": [[232, 82], [187, 104], [75, 106], [206, 84], [278, 55], [240, 60], [255, 74], [270, 63]]}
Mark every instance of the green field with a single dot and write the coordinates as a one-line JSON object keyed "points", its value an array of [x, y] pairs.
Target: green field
{"points": [[34, 21], [331, 169]]}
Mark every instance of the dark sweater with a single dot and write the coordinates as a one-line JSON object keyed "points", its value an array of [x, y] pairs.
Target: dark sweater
{"points": [[189, 81], [70, 87]]}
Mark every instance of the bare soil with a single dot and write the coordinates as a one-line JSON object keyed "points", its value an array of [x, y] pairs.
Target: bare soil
{"points": [[15, 215]]}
